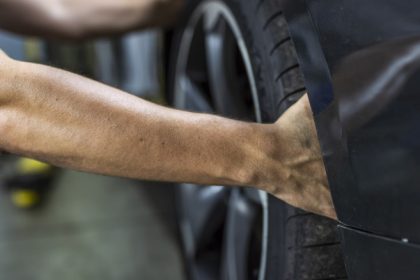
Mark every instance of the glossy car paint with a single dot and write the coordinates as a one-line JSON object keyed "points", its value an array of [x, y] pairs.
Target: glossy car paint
{"points": [[361, 62]]}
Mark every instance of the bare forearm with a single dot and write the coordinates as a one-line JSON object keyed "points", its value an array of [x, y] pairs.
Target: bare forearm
{"points": [[74, 122], [78, 19]]}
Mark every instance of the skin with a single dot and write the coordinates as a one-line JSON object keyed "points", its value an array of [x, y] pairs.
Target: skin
{"points": [[70, 121], [83, 19], [73, 122]]}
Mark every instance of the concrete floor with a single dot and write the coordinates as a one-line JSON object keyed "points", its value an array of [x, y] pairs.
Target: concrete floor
{"points": [[93, 227]]}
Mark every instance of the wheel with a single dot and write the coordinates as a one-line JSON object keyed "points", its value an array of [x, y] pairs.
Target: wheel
{"points": [[235, 58]]}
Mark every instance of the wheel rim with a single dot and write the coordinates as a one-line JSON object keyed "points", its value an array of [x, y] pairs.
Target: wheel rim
{"points": [[214, 75]]}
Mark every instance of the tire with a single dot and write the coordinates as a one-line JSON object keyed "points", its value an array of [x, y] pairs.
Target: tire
{"points": [[300, 245]]}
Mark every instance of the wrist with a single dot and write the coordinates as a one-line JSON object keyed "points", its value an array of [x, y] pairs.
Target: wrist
{"points": [[261, 166]]}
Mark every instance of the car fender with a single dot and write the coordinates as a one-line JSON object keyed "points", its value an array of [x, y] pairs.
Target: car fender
{"points": [[361, 63]]}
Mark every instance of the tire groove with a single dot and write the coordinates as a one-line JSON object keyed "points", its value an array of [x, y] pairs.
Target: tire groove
{"points": [[271, 19], [330, 244], [291, 94], [278, 45], [259, 5], [320, 245], [285, 71]]}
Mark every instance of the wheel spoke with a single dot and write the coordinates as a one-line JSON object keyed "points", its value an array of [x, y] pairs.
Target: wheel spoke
{"points": [[240, 222], [220, 226], [209, 204], [220, 48], [192, 97]]}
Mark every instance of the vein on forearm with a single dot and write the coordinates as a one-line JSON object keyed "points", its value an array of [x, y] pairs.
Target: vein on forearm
{"points": [[75, 122]]}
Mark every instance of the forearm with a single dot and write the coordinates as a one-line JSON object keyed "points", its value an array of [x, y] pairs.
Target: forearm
{"points": [[74, 122], [78, 19]]}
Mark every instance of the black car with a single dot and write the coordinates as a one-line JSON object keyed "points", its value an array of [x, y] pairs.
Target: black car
{"points": [[360, 63]]}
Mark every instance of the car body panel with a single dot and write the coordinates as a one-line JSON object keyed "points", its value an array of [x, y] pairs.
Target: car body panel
{"points": [[371, 257], [361, 62]]}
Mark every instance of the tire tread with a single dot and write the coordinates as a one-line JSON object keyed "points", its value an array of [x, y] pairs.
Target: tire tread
{"points": [[312, 241]]}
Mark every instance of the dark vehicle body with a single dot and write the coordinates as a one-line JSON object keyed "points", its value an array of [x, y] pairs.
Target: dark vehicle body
{"points": [[361, 63]]}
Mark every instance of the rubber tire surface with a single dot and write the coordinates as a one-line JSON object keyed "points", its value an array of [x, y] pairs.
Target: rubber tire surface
{"points": [[300, 245]]}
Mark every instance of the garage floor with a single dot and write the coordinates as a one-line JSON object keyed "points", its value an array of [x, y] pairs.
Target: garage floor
{"points": [[93, 227]]}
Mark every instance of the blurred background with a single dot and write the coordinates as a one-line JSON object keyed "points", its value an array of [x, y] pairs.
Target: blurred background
{"points": [[61, 224]]}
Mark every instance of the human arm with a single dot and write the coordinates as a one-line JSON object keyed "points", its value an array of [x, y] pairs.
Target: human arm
{"points": [[70, 121], [79, 19]]}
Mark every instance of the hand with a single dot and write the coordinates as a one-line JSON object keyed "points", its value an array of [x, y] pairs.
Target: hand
{"points": [[303, 182]]}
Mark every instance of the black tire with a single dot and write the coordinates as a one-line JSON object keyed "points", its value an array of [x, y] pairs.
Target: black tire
{"points": [[300, 245]]}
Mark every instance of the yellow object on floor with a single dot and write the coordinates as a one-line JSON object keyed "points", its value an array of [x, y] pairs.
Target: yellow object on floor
{"points": [[25, 198], [30, 166]]}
